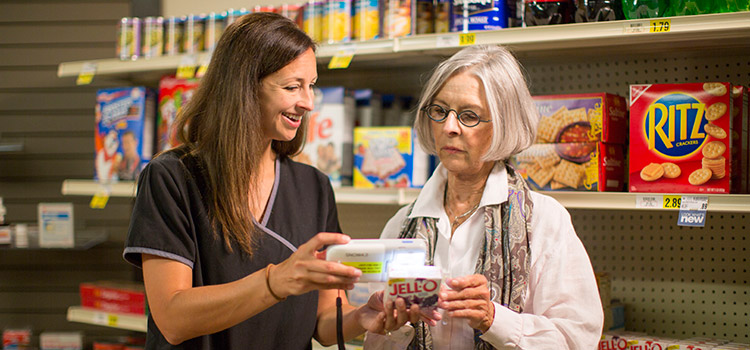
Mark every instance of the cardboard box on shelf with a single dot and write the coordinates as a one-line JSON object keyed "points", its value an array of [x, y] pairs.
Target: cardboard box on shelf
{"points": [[586, 117], [389, 157]]}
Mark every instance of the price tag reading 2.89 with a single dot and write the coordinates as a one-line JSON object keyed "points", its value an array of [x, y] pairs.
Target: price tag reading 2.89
{"points": [[672, 202]]}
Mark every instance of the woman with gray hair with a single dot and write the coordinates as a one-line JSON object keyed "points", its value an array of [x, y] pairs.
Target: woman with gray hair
{"points": [[516, 274]]}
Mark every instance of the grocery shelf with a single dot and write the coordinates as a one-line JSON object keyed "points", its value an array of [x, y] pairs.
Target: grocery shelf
{"points": [[402, 196], [685, 32], [108, 319]]}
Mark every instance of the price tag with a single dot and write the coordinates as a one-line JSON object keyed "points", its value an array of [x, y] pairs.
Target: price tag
{"points": [[635, 28], [186, 69], [648, 202], [99, 201], [447, 41], [694, 203], [343, 57], [660, 25], [112, 320], [467, 39], [671, 202], [86, 75], [100, 318]]}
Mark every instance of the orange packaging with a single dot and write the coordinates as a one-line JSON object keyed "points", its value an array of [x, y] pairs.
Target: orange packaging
{"points": [[680, 138]]}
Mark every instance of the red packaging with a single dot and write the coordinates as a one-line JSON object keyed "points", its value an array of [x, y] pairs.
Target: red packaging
{"points": [[679, 138], [16, 338], [173, 95], [122, 297], [580, 166], [739, 181], [582, 118], [108, 346]]}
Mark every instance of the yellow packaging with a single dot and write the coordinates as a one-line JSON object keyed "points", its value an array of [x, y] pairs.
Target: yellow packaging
{"points": [[153, 37], [312, 20], [337, 21], [366, 20]]}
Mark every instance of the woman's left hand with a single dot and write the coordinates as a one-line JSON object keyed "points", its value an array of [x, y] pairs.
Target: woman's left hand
{"points": [[469, 298]]}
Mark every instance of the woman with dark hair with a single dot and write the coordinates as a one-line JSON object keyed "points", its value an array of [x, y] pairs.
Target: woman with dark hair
{"points": [[228, 229]]}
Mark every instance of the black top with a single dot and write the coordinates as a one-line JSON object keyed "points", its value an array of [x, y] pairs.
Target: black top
{"points": [[170, 220]]}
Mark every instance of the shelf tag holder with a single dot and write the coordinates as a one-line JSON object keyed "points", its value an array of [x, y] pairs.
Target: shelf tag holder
{"points": [[101, 197], [86, 75], [693, 211], [186, 69], [343, 57]]}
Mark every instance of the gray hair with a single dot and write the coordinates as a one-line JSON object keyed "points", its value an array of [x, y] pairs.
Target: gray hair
{"points": [[512, 111]]}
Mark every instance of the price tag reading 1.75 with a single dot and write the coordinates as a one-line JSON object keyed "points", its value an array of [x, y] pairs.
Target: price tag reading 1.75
{"points": [[672, 202], [661, 26]]}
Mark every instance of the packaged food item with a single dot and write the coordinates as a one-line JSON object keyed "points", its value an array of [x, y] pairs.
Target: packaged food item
{"points": [[329, 135], [261, 8], [739, 139], [173, 95], [129, 38], [443, 15], [291, 11], [389, 157], [398, 18], [637, 9], [153, 37], [114, 296], [17, 338], [582, 118], [544, 12], [231, 15], [598, 10], [680, 133], [580, 166], [214, 28], [369, 108], [691, 7], [418, 285], [61, 340], [124, 132], [193, 40], [337, 21], [174, 27], [366, 21], [425, 16], [313, 19], [471, 15]]}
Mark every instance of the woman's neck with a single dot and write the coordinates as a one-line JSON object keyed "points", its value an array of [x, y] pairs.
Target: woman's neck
{"points": [[466, 190]]}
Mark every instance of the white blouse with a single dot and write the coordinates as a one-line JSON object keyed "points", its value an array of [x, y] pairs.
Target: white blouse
{"points": [[562, 309]]}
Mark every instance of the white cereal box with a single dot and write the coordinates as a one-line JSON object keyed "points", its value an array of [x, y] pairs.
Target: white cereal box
{"points": [[329, 135], [389, 157], [124, 136]]}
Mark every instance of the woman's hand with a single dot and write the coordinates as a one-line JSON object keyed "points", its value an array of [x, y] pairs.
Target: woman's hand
{"points": [[469, 299], [308, 270], [389, 316]]}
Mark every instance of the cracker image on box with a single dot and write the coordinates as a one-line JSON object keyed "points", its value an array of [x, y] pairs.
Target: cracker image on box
{"points": [[679, 138], [581, 118]]}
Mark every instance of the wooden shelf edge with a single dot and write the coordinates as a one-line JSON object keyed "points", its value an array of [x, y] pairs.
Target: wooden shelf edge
{"points": [[81, 314]]}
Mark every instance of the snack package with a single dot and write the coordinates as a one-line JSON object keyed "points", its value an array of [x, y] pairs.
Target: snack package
{"points": [[740, 139], [174, 31], [415, 284], [366, 20], [193, 40], [680, 138], [425, 16], [472, 15], [580, 166], [337, 21], [153, 37], [398, 18], [443, 18], [329, 135], [173, 95], [389, 157], [129, 38], [582, 118], [114, 296], [124, 133], [312, 20], [291, 11], [214, 28]]}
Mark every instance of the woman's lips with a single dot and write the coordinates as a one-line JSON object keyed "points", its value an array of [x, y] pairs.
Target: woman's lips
{"points": [[449, 149]]}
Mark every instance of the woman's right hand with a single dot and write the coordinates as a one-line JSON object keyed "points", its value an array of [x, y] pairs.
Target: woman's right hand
{"points": [[307, 269], [397, 314]]}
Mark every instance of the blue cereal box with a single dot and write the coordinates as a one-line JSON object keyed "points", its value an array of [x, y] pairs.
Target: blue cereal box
{"points": [[471, 15], [389, 157], [124, 139], [329, 135]]}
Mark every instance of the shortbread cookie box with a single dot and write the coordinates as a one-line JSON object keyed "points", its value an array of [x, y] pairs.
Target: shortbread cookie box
{"points": [[587, 117], [680, 138], [572, 166]]}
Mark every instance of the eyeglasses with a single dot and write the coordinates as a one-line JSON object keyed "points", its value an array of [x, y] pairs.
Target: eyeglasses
{"points": [[438, 114]]}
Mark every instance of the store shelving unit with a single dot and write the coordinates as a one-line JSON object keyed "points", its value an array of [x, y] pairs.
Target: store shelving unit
{"points": [[675, 281], [130, 322]]}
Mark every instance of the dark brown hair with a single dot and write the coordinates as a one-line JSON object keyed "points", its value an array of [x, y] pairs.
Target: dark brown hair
{"points": [[221, 124]]}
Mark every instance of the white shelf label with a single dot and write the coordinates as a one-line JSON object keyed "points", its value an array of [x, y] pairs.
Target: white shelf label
{"points": [[447, 41], [648, 201]]}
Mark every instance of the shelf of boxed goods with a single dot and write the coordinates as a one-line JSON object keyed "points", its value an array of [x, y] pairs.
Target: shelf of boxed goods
{"points": [[632, 36], [402, 196]]}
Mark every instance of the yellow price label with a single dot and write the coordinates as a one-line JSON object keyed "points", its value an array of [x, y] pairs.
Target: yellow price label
{"points": [[661, 26], [467, 39], [86, 75], [671, 202], [99, 201], [185, 72], [112, 320], [340, 61], [201, 70]]}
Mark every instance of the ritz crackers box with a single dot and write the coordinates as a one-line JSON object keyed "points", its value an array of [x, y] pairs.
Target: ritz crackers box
{"points": [[124, 137], [680, 138]]}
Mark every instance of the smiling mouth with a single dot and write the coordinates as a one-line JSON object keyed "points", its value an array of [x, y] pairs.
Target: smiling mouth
{"points": [[292, 117]]}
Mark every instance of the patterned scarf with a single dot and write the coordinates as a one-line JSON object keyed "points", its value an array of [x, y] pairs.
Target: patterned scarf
{"points": [[504, 259]]}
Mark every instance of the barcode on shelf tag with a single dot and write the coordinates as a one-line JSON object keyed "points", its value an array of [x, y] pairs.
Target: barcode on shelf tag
{"points": [[86, 75], [694, 203], [186, 69], [648, 201], [447, 41], [636, 28]]}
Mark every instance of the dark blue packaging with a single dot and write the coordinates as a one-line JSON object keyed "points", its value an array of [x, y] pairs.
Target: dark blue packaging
{"points": [[471, 15]]}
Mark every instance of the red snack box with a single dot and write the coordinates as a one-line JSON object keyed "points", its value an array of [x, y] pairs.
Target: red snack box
{"points": [[114, 296], [581, 166], [582, 118], [739, 179], [679, 138]]}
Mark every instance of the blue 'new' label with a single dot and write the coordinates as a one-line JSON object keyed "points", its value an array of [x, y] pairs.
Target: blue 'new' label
{"points": [[696, 218]]}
